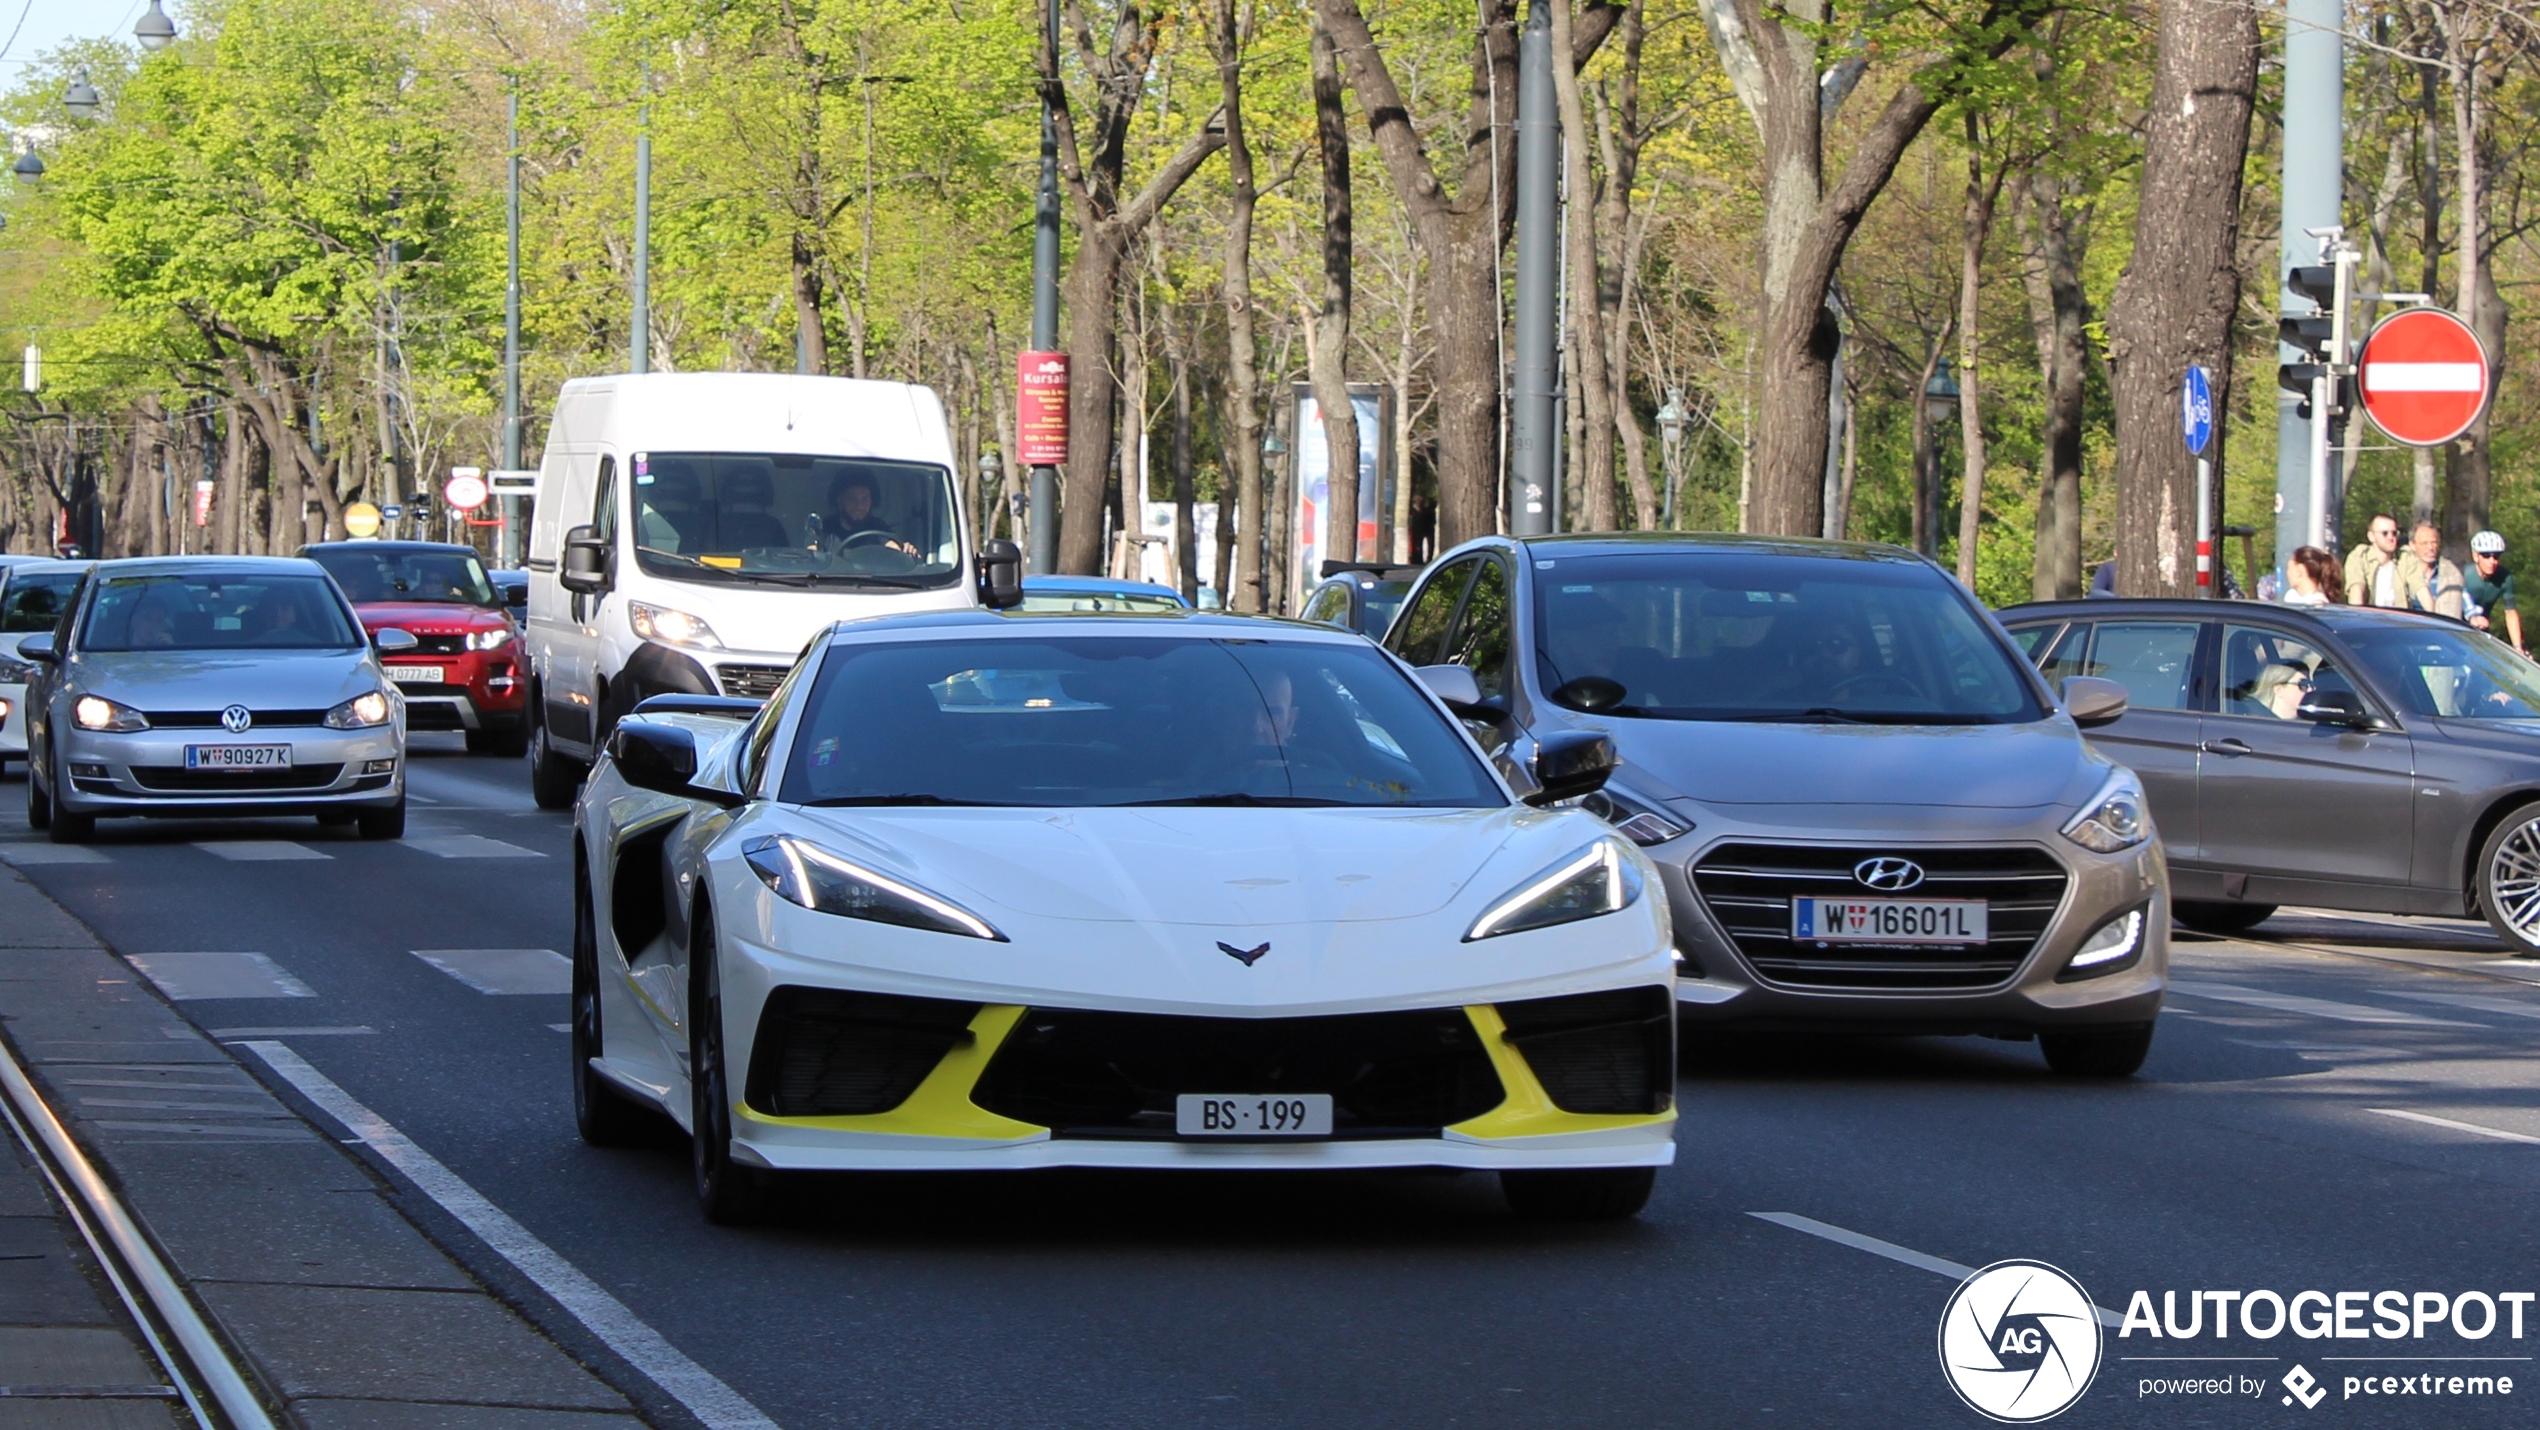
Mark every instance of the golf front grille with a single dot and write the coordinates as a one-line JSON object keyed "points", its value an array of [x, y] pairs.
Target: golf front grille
{"points": [[210, 719], [1748, 889], [825, 1053], [1116, 1075], [1612, 1052], [175, 779]]}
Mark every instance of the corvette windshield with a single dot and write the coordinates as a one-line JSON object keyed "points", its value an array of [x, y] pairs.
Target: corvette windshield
{"points": [[1087, 721], [1733, 636]]}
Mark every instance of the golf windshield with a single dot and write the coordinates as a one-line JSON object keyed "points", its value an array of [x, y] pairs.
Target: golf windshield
{"points": [[1087, 721], [433, 575], [1737, 636], [776, 518], [256, 611], [2448, 672]]}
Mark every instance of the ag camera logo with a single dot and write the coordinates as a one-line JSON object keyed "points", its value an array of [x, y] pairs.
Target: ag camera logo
{"points": [[2019, 1342]]}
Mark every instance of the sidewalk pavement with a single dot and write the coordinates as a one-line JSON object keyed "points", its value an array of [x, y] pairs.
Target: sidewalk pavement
{"points": [[342, 1313]]}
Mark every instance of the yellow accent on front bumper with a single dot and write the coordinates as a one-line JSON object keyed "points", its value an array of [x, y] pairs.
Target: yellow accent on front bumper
{"points": [[1528, 1110], [941, 1105]]}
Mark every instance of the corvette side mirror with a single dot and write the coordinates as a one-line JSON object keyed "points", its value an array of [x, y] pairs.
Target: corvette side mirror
{"points": [[1570, 764], [1455, 687], [663, 759]]}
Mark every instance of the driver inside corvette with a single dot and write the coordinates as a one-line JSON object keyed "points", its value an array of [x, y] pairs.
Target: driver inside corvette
{"points": [[852, 514]]}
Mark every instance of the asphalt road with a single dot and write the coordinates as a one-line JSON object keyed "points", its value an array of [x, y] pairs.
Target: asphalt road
{"points": [[2259, 1149]]}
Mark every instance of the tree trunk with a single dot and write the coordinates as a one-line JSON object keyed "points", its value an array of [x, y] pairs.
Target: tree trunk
{"points": [[1978, 223], [1327, 337], [1243, 378], [2467, 510], [1185, 523], [811, 340], [2174, 305], [2058, 313], [1619, 142], [1587, 348], [1925, 525]]}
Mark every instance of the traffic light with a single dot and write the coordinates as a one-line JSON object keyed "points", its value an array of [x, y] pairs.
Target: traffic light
{"points": [[2318, 283], [2316, 336], [420, 507]]}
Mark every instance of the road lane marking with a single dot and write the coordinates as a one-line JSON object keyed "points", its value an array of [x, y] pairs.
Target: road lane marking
{"points": [[1919, 1260], [184, 977], [257, 851], [2314, 1007], [2481, 1002], [27, 856], [503, 970], [226, 1034], [716, 1404], [2471, 1127], [468, 846]]}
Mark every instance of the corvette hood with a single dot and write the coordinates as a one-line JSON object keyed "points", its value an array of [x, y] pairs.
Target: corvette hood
{"points": [[1243, 868]]}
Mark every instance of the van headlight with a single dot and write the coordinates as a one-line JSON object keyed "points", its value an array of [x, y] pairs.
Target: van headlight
{"points": [[359, 713], [811, 876], [1637, 819], [96, 712], [2115, 945], [1601, 879], [2115, 819], [660, 623]]}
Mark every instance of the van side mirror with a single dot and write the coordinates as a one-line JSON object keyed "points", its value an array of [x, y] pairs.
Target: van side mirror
{"points": [[2093, 702], [2320, 707], [1569, 764], [39, 648], [1000, 575], [663, 759], [585, 568]]}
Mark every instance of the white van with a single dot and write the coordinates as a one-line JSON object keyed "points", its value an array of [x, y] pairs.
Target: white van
{"points": [[693, 530]]}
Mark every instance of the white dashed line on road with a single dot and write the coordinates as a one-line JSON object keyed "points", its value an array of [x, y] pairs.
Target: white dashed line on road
{"points": [[714, 1403], [258, 851], [2313, 1007], [2431, 1120], [188, 976], [469, 846], [503, 970], [1905, 1255]]}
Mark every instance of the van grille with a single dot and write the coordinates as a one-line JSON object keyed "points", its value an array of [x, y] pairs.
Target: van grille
{"points": [[751, 682], [1748, 889]]}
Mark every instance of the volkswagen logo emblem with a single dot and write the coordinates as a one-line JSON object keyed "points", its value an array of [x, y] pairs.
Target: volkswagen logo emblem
{"points": [[1888, 874], [236, 719]]}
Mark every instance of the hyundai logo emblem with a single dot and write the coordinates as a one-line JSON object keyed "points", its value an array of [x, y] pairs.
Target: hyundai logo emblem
{"points": [[1888, 873], [236, 719]]}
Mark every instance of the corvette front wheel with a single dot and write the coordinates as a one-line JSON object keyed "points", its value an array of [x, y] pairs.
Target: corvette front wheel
{"points": [[1578, 1194], [730, 1194]]}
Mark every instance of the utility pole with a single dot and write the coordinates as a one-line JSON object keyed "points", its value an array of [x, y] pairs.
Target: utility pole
{"points": [[1532, 417], [509, 556], [1044, 532], [2314, 175], [639, 339]]}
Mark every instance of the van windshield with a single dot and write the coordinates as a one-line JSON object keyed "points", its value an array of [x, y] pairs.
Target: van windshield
{"points": [[775, 518]]}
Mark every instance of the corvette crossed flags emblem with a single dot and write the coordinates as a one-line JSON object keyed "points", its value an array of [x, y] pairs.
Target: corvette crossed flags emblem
{"points": [[1246, 956]]}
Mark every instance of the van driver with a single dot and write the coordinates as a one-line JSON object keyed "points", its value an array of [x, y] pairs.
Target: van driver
{"points": [[851, 514]]}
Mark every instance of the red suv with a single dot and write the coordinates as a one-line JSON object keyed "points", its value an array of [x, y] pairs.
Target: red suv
{"points": [[464, 673]]}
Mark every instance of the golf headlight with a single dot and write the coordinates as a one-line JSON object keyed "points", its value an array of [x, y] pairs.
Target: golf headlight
{"points": [[490, 640], [2115, 945], [96, 712], [1637, 819], [660, 623], [2115, 819], [1600, 879], [359, 713], [813, 877]]}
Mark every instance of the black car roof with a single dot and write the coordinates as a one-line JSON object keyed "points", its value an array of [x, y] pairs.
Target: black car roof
{"points": [[2333, 617], [366, 545], [971, 618]]}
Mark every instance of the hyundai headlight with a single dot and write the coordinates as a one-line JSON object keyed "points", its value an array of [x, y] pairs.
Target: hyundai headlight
{"points": [[96, 712], [488, 640], [1601, 879], [2115, 819], [359, 713], [2113, 946], [1639, 820], [660, 623], [811, 876]]}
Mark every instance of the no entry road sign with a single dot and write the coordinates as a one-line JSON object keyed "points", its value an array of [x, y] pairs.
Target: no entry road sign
{"points": [[2424, 377]]}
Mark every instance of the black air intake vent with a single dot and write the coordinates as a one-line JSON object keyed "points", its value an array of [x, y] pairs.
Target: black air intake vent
{"points": [[824, 1053], [1600, 1052]]}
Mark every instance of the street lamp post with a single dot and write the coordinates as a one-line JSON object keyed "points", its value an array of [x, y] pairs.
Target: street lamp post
{"points": [[986, 509], [1940, 404], [81, 98], [1272, 449], [155, 30], [510, 554], [1044, 530], [1671, 432]]}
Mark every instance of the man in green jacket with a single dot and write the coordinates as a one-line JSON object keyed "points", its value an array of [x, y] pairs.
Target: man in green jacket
{"points": [[2372, 574]]}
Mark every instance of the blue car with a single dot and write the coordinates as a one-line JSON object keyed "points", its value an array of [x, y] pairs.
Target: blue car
{"points": [[1083, 594]]}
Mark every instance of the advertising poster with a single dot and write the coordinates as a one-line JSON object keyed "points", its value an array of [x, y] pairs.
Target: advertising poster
{"points": [[1314, 476]]}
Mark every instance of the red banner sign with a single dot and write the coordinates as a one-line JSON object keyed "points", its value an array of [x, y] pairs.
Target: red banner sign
{"points": [[202, 503], [1040, 407]]}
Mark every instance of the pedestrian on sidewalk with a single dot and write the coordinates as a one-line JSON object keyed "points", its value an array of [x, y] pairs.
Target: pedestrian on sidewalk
{"points": [[2428, 580], [2491, 588], [2312, 579], [2372, 574]]}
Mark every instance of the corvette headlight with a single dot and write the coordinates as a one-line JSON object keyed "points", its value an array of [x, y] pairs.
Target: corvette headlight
{"points": [[1600, 879], [660, 623], [2115, 819], [96, 712], [2114, 946], [488, 640], [1639, 820], [813, 877], [359, 713]]}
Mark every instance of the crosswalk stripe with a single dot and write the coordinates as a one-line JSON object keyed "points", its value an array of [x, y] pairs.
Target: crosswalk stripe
{"points": [[469, 846], [2314, 1007], [503, 970], [257, 851], [2482, 1003], [188, 976]]}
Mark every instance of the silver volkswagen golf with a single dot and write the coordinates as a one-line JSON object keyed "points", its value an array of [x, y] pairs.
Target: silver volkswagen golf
{"points": [[199, 687], [1870, 813]]}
